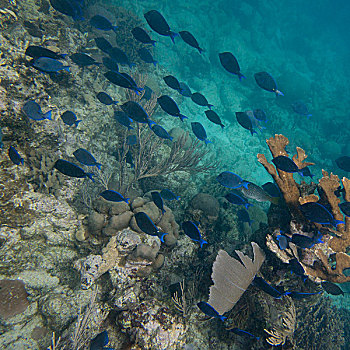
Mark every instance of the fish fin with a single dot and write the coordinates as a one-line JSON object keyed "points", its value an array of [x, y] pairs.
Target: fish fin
{"points": [[115, 102], [47, 115], [130, 127], [153, 42], [247, 205], [162, 236], [163, 211], [155, 63], [222, 318], [300, 172], [66, 68], [177, 198], [210, 106], [206, 141], [253, 132], [132, 65], [126, 200], [172, 36], [182, 117], [77, 122], [151, 122], [98, 166], [90, 176], [171, 138], [22, 161], [200, 50], [245, 184], [279, 93], [338, 222], [222, 127], [202, 241], [63, 55], [114, 28]]}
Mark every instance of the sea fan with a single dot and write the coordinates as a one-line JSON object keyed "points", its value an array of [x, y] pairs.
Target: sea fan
{"points": [[232, 278]]}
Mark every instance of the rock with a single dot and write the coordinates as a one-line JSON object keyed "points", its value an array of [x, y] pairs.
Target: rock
{"points": [[144, 251], [118, 208], [95, 222], [207, 204], [118, 223]]}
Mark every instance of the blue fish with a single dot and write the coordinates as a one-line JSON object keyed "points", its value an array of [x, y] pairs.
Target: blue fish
{"points": [[100, 341], [209, 310], [286, 164], [303, 241], [123, 119], [86, 158], [266, 287], [316, 212], [332, 288], [142, 36], [69, 8], [238, 200], [306, 172], [48, 65], [158, 23], [243, 216], [296, 267], [272, 189], [123, 80], [146, 225], [191, 230], [83, 60], [301, 108], [110, 64], [70, 169], [283, 241], [241, 332], [33, 111], [103, 44], [169, 195], [102, 23], [107, 100], [267, 82], [136, 112], [14, 156], [113, 196], [200, 100], [158, 201], [161, 132], [146, 56], [70, 118], [231, 180], [147, 93], [230, 63], [169, 106], [199, 131], [120, 56]]}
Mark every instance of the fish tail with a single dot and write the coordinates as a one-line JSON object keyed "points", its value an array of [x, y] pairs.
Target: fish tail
{"points": [[206, 141], [210, 106], [126, 200], [90, 176], [253, 132], [115, 102], [177, 198], [162, 236], [114, 28], [151, 122], [275, 200], [182, 117], [77, 122], [222, 127], [98, 166], [241, 76], [47, 115], [130, 127], [338, 222], [300, 172], [222, 318], [279, 93], [247, 205], [21, 161], [153, 42], [202, 241], [200, 50], [172, 36], [244, 184], [171, 138], [132, 65], [155, 63], [66, 68], [312, 175]]}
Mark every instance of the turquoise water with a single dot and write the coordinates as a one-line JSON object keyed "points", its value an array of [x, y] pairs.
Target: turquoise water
{"points": [[79, 261]]}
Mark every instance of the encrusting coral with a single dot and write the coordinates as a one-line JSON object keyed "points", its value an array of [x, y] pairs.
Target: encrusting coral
{"points": [[316, 260]]}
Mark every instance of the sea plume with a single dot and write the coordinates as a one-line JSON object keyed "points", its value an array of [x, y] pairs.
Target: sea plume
{"points": [[231, 277]]}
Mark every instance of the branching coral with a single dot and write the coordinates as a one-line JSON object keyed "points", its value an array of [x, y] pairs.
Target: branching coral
{"points": [[316, 260]]}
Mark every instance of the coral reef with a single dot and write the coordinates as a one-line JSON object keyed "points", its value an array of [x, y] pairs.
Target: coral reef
{"points": [[320, 327], [318, 260]]}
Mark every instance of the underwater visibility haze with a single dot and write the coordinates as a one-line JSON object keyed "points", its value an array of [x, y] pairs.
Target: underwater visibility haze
{"points": [[174, 175]]}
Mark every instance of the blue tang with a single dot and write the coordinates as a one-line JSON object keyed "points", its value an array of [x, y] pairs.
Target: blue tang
{"points": [[191, 230], [86, 158], [48, 65], [209, 310], [199, 131], [67, 168], [146, 225], [33, 111], [14, 156], [113, 196], [231, 180]]}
